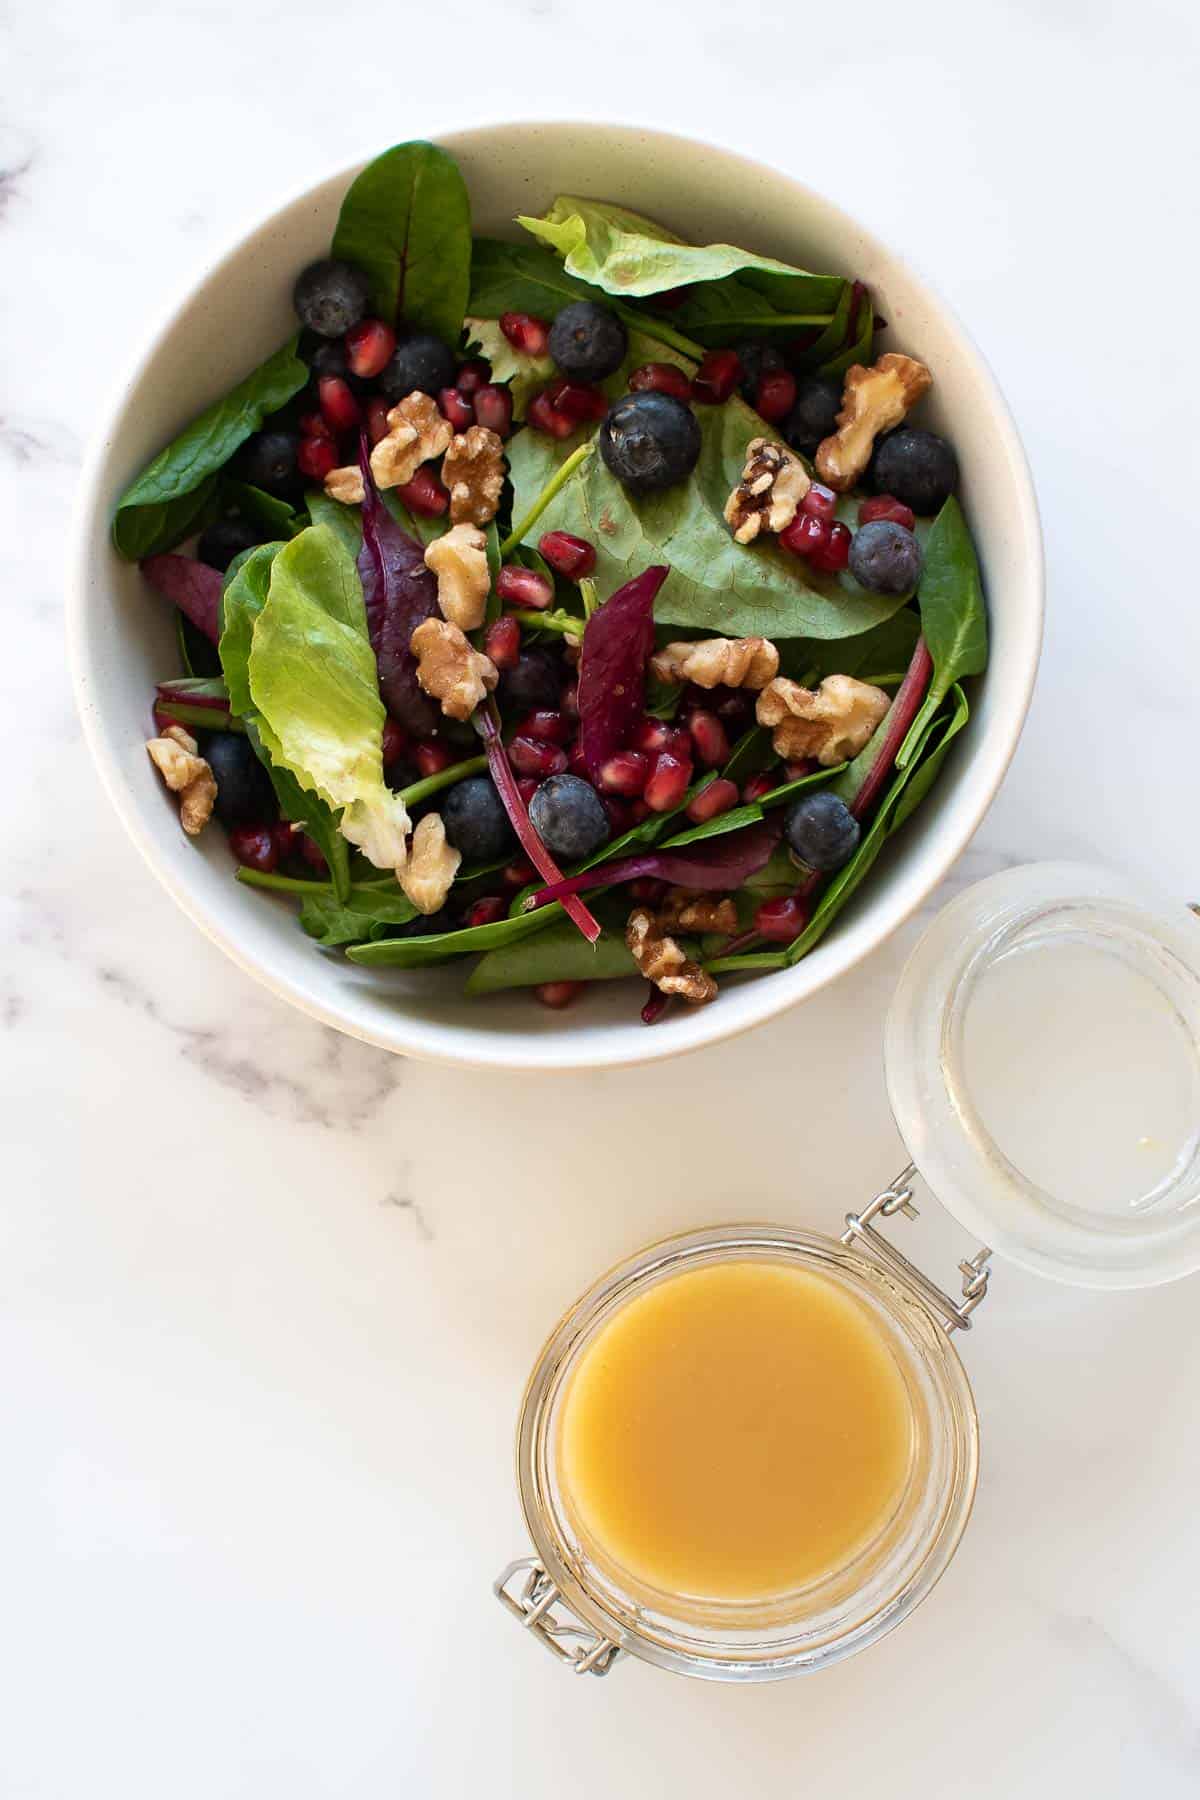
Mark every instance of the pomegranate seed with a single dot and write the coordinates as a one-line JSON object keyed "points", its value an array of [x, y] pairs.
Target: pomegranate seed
{"points": [[638, 810], [569, 555], [525, 333], [431, 758], [625, 773], [312, 852], [544, 417], [314, 424], [424, 495], [527, 786], [369, 347], [805, 534], [287, 838], [377, 417], [570, 700], [656, 735], [716, 377], [775, 396], [621, 814], [716, 798], [647, 889], [488, 910], [530, 757], [668, 783], [834, 553], [660, 378], [757, 787], [338, 404], [518, 874], [576, 401], [255, 847], [796, 771], [885, 507], [558, 994], [576, 763], [820, 501], [709, 739], [780, 920], [546, 726], [316, 456], [395, 742], [457, 407], [502, 642], [473, 374], [734, 705], [493, 408], [524, 587]]}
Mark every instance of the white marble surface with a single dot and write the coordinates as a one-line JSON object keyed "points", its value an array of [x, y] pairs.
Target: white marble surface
{"points": [[268, 1297]]}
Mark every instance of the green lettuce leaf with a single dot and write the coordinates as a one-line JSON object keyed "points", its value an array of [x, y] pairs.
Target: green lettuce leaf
{"points": [[406, 221], [314, 684], [165, 502]]}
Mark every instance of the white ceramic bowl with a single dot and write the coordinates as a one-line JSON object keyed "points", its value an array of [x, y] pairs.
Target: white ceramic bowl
{"points": [[123, 637]]}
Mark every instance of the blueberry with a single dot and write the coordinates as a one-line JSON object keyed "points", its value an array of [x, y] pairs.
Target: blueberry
{"points": [[814, 416], [885, 558], [649, 441], [331, 297], [427, 924], [475, 820], [421, 364], [917, 467], [757, 360], [244, 792], [224, 539], [536, 683], [821, 831], [268, 461], [569, 817], [329, 358], [588, 341]]}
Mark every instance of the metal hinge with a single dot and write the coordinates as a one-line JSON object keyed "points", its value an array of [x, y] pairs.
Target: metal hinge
{"points": [[532, 1602], [898, 1198]]}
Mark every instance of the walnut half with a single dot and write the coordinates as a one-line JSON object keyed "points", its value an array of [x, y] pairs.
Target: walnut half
{"points": [[773, 484], [186, 773], [432, 864], [459, 560], [450, 668], [873, 400], [417, 432], [719, 662], [473, 470], [831, 722], [661, 960]]}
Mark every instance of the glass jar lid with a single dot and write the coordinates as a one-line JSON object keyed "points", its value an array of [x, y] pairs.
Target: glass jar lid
{"points": [[1043, 1061]]}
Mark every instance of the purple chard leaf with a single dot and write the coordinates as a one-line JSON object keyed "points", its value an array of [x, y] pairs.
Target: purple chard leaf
{"points": [[617, 643], [192, 586], [399, 593]]}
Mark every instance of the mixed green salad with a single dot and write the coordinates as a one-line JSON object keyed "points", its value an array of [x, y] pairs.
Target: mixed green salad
{"points": [[581, 606]]}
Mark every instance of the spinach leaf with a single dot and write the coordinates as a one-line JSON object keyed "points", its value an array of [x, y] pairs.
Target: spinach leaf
{"points": [[716, 585], [160, 507], [953, 615], [361, 916], [861, 347], [884, 650], [442, 946], [520, 278], [142, 531], [406, 221], [927, 771], [279, 517], [630, 256], [559, 954]]}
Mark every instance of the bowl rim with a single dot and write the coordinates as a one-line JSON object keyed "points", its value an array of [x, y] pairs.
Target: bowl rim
{"points": [[454, 1043]]}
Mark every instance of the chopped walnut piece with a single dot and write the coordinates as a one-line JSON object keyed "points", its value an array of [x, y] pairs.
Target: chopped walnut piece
{"points": [[773, 484], [682, 908], [873, 400], [174, 755], [660, 959], [459, 560], [450, 668], [831, 722], [345, 484], [417, 433], [432, 865], [719, 662], [473, 470]]}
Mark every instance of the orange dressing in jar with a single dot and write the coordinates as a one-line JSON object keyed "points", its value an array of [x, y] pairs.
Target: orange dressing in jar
{"points": [[735, 1433]]}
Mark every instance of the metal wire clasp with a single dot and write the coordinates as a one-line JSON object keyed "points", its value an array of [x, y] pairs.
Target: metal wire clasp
{"points": [[532, 1602], [898, 1198]]}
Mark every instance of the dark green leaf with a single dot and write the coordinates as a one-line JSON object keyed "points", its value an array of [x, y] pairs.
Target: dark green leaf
{"points": [[362, 915], [927, 771], [406, 221], [953, 615], [300, 806], [559, 954], [861, 350], [279, 517], [184, 469], [885, 650], [442, 946], [520, 278]]}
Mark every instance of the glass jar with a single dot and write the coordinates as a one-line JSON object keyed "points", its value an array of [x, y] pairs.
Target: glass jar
{"points": [[1049, 995]]}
